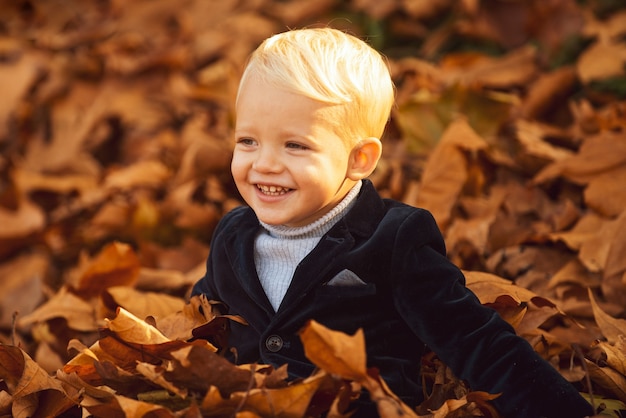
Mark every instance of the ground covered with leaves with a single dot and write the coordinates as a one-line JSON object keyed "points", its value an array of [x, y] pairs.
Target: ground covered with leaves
{"points": [[115, 130]]}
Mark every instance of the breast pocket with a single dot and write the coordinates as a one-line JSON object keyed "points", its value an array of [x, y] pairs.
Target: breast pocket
{"points": [[346, 283]]}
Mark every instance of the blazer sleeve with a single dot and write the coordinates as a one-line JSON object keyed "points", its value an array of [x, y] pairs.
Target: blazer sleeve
{"points": [[473, 340]]}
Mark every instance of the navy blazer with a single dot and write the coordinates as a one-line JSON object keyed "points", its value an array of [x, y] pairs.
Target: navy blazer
{"points": [[383, 268]]}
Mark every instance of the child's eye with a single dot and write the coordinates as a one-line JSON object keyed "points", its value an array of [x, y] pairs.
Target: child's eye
{"points": [[246, 141], [296, 146]]}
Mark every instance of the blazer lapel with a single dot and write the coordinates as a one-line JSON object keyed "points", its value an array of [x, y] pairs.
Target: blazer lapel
{"points": [[239, 250], [316, 265]]}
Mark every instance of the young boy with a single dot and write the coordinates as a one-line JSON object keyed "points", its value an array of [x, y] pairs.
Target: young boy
{"points": [[317, 242]]}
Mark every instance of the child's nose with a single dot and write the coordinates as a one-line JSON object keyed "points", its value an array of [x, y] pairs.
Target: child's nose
{"points": [[267, 161]]}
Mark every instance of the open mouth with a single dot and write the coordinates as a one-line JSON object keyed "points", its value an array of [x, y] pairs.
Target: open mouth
{"points": [[273, 190]]}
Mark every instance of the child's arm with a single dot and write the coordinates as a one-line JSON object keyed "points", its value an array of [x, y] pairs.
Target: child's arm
{"points": [[473, 340]]}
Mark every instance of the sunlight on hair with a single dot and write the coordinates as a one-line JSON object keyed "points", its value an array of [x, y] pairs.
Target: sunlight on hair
{"points": [[332, 67]]}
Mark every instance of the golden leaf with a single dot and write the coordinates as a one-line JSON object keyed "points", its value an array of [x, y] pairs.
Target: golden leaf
{"points": [[334, 351]]}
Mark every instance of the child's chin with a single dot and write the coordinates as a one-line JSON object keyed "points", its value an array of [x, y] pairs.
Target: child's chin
{"points": [[271, 220]]}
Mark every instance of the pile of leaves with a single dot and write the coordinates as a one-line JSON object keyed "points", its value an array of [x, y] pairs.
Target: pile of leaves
{"points": [[115, 130], [135, 370]]}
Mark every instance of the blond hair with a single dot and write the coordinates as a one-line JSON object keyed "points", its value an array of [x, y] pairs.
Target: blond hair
{"points": [[332, 67]]}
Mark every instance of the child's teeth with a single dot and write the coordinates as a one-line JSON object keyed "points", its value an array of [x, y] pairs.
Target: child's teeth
{"points": [[273, 189]]}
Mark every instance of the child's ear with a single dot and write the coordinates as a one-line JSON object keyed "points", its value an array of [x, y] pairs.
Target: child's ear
{"points": [[364, 158]]}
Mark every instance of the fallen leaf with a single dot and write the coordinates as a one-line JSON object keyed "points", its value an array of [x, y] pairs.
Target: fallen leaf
{"points": [[116, 264], [615, 354], [446, 171], [142, 304], [290, 401], [30, 386], [22, 74], [612, 328], [597, 154], [79, 314], [615, 261], [131, 329], [22, 285], [608, 379], [602, 60], [26, 220], [334, 351]]}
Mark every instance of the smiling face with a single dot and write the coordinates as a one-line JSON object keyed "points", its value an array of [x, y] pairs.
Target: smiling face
{"points": [[289, 164]]}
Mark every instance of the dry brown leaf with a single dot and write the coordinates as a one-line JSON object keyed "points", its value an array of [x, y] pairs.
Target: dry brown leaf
{"points": [[185, 257], [290, 401], [472, 231], [597, 154], [334, 351], [111, 218], [133, 330], [115, 265], [523, 309], [378, 9], [249, 29], [216, 371], [515, 68], [142, 174], [205, 151], [532, 138], [592, 237], [448, 407], [606, 193], [608, 379], [31, 386], [155, 374], [47, 358], [83, 363], [445, 173], [100, 398], [180, 325], [600, 61], [74, 118], [584, 230], [575, 272], [163, 279], [292, 13], [143, 304], [17, 78], [26, 220], [615, 354], [213, 401], [547, 91], [425, 10], [134, 408], [186, 212], [79, 314], [613, 329], [616, 262], [6, 401], [387, 403], [21, 285], [488, 287], [482, 213], [31, 181], [606, 57], [594, 252]]}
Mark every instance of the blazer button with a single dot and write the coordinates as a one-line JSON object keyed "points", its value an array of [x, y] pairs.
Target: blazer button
{"points": [[274, 343]]}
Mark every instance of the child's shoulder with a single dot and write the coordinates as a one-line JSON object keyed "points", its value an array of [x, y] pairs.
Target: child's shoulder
{"points": [[402, 211], [390, 214], [237, 218]]}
